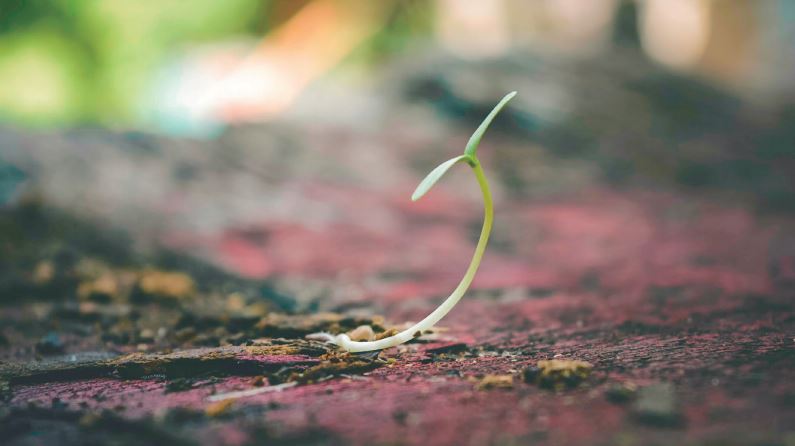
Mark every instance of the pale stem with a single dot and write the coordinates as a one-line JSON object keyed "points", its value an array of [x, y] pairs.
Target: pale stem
{"points": [[346, 343]]}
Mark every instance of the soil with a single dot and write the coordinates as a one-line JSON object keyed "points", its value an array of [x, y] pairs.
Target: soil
{"points": [[634, 312]]}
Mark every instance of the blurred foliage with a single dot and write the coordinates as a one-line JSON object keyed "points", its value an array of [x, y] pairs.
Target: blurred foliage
{"points": [[68, 62], [83, 61], [408, 21]]}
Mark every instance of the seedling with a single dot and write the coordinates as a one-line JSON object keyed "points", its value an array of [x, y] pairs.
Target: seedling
{"points": [[469, 157]]}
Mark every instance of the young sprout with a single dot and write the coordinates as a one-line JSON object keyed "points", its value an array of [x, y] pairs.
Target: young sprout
{"points": [[470, 157]]}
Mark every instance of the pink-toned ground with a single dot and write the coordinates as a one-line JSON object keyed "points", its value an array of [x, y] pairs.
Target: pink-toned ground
{"points": [[684, 308]]}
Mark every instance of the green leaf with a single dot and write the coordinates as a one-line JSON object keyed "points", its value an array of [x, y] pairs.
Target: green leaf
{"points": [[474, 140], [427, 183]]}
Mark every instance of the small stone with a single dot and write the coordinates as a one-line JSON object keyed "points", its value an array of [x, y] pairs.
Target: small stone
{"points": [[166, 284], [621, 393], [218, 409], [103, 288], [495, 382], [656, 406], [146, 335], [386, 334], [362, 333], [557, 373]]}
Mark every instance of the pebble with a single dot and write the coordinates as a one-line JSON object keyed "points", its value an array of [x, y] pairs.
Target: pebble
{"points": [[656, 405]]}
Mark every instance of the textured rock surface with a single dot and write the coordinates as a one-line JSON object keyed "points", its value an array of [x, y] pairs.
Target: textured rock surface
{"points": [[691, 310], [682, 303]]}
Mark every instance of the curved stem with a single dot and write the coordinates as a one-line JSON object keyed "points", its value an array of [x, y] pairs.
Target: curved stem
{"points": [[406, 335]]}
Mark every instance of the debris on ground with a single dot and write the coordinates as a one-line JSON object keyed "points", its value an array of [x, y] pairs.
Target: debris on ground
{"points": [[656, 405], [219, 408], [557, 373], [124, 324], [490, 382], [335, 364], [362, 333], [621, 393], [166, 284]]}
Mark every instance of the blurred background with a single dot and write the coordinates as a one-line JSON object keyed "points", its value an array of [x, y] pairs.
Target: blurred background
{"points": [[166, 67]]}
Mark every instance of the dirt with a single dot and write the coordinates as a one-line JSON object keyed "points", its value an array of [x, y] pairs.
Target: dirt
{"points": [[557, 373], [629, 306], [490, 382], [702, 354]]}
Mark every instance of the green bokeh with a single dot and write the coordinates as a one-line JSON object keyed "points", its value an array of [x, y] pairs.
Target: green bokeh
{"points": [[88, 61]]}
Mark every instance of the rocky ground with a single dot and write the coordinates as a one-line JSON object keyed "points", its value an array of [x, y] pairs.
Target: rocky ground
{"points": [[156, 290]]}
